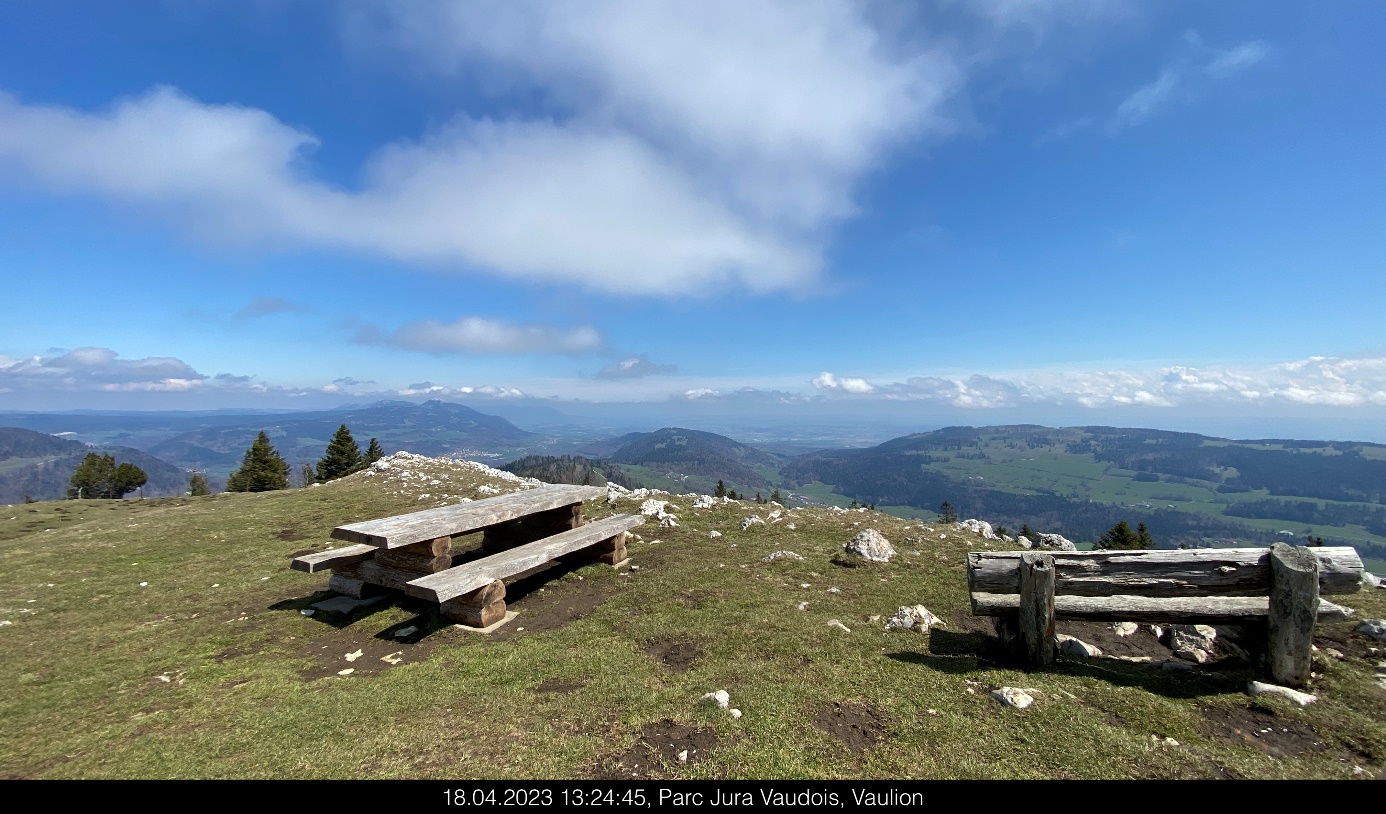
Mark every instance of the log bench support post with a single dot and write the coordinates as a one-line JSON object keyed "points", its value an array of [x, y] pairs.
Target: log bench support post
{"points": [[611, 551], [480, 608], [1036, 617], [428, 557], [1294, 606], [537, 526]]}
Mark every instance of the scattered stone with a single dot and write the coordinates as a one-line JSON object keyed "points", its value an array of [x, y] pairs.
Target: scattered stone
{"points": [[790, 526], [1076, 647], [834, 590], [354, 656], [144, 584], [714, 534], [751, 521], [913, 617], [720, 698], [803, 606], [307, 612], [1158, 631], [781, 555], [1193, 642], [978, 527], [735, 713], [669, 522], [394, 658], [1304, 699], [1335, 654], [871, 545], [348, 671], [406, 631], [1376, 628], [838, 624], [1054, 542], [1165, 741], [683, 756], [1013, 697], [704, 502], [1023, 541]]}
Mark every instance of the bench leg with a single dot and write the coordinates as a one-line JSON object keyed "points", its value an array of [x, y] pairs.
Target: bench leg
{"points": [[1294, 606], [610, 551], [480, 608], [1037, 608], [428, 557], [353, 587], [510, 534]]}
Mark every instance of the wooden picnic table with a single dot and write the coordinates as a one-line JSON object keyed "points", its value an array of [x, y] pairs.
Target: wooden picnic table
{"points": [[416, 552]]}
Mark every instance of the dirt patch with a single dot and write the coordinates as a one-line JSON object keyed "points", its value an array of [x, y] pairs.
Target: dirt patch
{"points": [[859, 727], [1102, 636], [336, 649], [658, 751], [559, 685], [1340, 637], [1261, 729], [550, 609], [290, 534], [697, 600], [676, 654]]}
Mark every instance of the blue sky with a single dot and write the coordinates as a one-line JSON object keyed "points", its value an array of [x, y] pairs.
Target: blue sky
{"points": [[1133, 213]]}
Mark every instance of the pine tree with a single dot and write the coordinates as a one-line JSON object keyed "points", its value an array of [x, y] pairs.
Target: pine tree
{"points": [[342, 457], [759, 499], [1026, 531], [262, 469], [1143, 534], [306, 476], [721, 490], [775, 496], [374, 452], [731, 493], [946, 513], [1120, 537], [197, 485], [98, 476]]}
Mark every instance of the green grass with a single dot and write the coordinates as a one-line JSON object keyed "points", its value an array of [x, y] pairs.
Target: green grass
{"points": [[88, 650]]}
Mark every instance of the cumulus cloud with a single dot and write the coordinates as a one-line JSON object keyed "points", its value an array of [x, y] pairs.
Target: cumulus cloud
{"points": [[634, 367], [846, 384], [486, 391], [691, 146], [97, 369], [263, 306], [476, 335]]}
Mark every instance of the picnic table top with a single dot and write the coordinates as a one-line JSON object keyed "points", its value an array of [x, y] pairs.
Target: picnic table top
{"points": [[463, 518]]}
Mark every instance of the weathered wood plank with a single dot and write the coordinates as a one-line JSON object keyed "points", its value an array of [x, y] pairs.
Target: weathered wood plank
{"points": [[462, 518], [462, 579], [1193, 572], [423, 562], [336, 558], [1212, 610], [352, 587], [1037, 608], [1294, 604]]}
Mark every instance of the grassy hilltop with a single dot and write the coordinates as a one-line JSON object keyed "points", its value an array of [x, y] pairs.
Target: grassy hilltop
{"points": [[208, 668]]}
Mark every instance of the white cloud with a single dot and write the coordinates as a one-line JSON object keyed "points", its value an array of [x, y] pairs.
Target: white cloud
{"points": [[634, 367], [692, 147], [846, 384], [488, 336], [1182, 79], [263, 306]]}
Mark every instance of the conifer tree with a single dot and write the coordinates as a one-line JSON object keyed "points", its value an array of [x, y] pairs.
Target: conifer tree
{"points": [[197, 485], [1026, 532], [262, 469], [1120, 537], [775, 497], [342, 457], [374, 452], [1143, 535], [946, 513], [721, 490], [98, 476]]}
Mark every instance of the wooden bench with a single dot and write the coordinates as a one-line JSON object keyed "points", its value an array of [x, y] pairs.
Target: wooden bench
{"points": [[414, 552], [1280, 586]]}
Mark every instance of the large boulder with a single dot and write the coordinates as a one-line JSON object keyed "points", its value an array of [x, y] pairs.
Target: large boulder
{"points": [[1054, 542], [751, 521], [1376, 628], [979, 527], [871, 545], [704, 502]]}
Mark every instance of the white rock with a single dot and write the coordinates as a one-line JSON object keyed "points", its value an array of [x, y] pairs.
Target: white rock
{"points": [[714, 534], [1054, 542], [774, 515], [704, 502], [669, 522], [871, 545], [487, 489], [803, 606], [1013, 697], [1125, 628], [683, 756], [1193, 642], [307, 612], [978, 527], [1076, 647], [790, 526], [832, 590], [1371, 580], [406, 631], [1304, 699], [144, 584], [913, 617], [1157, 631], [838, 624], [720, 698], [781, 555], [735, 713], [653, 508], [353, 656], [1376, 628], [751, 521]]}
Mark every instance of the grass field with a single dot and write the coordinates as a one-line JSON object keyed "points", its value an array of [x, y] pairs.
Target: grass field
{"points": [[163, 638]]}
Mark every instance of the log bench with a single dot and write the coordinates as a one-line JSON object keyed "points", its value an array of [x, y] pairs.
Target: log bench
{"points": [[1280, 586], [414, 552]]}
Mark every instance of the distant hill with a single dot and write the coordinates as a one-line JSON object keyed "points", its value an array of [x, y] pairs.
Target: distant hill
{"points": [[1188, 488], [434, 428], [39, 466], [573, 469], [686, 459]]}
